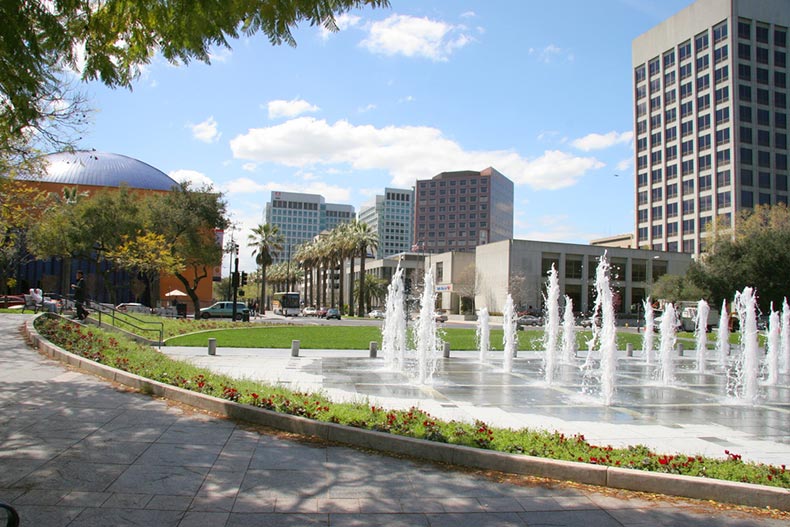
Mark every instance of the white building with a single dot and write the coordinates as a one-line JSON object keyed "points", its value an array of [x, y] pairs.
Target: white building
{"points": [[521, 268], [391, 216], [710, 118], [301, 217]]}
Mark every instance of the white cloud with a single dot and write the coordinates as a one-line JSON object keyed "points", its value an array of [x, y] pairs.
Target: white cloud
{"points": [[249, 167], [407, 153], [415, 37], [289, 109], [550, 53], [205, 131], [343, 21], [220, 54], [198, 179], [601, 141], [246, 186], [368, 108]]}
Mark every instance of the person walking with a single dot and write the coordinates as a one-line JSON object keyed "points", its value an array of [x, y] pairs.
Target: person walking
{"points": [[79, 296]]}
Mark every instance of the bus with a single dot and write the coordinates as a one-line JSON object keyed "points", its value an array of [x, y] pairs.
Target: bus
{"points": [[286, 304]]}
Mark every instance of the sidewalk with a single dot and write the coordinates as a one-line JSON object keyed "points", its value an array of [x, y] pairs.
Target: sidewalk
{"points": [[76, 451]]}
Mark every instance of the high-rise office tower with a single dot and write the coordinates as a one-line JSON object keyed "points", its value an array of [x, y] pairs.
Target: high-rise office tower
{"points": [[391, 216], [301, 217], [710, 118], [457, 211]]}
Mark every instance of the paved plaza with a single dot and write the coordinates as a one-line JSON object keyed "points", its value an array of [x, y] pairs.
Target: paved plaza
{"points": [[77, 451]]}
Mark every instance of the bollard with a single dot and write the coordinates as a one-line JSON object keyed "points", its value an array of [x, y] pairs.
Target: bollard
{"points": [[294, 348], [446, 350], [374, 348], [212, 346], [629, 349], [680, 349]]}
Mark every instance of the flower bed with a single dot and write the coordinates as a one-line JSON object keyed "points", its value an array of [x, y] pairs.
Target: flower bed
{"points": [[108, 349]]}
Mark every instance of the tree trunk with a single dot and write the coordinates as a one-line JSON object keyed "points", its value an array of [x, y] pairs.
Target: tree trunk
{"points": [[351, 285], [362, 255]]}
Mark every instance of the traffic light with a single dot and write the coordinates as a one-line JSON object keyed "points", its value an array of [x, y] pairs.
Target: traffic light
{"points": [[243, 278]]}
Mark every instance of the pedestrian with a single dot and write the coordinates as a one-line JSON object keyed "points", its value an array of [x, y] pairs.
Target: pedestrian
{"points": [[79, 296]]}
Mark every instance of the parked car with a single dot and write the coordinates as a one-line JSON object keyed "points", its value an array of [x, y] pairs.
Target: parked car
{"points": [[440, 318], [321, 312], [332, 313], [529, 320], [225, 310], [376, 313], [309, 311]]}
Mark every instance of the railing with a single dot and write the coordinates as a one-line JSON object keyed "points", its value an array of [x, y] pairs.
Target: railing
{"points": [[121, 320]]}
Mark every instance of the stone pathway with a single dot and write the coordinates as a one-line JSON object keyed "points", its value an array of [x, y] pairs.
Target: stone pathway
{"points": [[76, 451]]}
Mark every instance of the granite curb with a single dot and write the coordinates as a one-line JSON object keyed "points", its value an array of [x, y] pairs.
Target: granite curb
{"points": [[603, 476]]}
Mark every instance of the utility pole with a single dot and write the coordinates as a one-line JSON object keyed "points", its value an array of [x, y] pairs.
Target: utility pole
{"points": [[235, 280]]}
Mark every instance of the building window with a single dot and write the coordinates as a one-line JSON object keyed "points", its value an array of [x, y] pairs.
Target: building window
{"points": [[656, 194], [701, 42], [723, 200], [705, 182], [672, 210], [720, 32], [669, 59], [721, 54], [747, 199], [689, 226], [744, 72], [723, 116], [780, 37], [762, 34], [684, 50], [722, 95], [744, 29], [723, 178]]}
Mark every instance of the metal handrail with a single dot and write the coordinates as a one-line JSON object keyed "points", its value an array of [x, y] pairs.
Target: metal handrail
{"points": [[112, 312]]}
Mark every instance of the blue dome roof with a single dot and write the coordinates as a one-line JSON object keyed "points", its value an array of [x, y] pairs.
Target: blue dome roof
{"points": [[103, 169]]}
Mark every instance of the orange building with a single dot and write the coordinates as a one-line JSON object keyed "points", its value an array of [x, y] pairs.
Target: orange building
{"points": [[89, 172]]}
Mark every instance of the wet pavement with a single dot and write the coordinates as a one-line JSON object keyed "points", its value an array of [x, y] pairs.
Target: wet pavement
{"points": [[694, 415], [77, 451]]}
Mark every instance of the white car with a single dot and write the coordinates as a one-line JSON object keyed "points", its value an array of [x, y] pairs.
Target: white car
{"points": [[376, 313], [309, 312]]}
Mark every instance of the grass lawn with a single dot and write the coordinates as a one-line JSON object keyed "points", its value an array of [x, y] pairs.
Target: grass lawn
{"points": [[359, 337]]}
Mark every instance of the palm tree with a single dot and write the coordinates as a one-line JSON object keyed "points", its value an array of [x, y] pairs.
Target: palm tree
{"points": [[375, 289], [267, 242], [364, 239]]}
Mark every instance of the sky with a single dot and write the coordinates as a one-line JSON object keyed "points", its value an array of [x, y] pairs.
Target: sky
{"points": [[539, 90]]}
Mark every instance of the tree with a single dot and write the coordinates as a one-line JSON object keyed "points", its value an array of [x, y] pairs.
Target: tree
{"points": [[147, 254], [755, 253], [374, 289], [89, 229], [21, 206], [267, 242], [189, 219], [112, 39], [674, 288], [364, 238]]}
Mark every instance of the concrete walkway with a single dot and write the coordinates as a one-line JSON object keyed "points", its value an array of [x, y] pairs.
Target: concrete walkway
{"points": [[76, 451]]}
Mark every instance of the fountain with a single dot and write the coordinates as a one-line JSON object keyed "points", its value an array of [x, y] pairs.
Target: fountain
{"points": [[426, 341], [744, 383], [723, 338], [393, 333], [551, 326], [509, 337], [668, 331], [648, 348], [773, 344], [608, 346], [701, 333], [568, 333], [483, 334]]}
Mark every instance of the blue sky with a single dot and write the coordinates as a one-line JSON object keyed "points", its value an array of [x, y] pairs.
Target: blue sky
{"points": [[541, 91]]}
